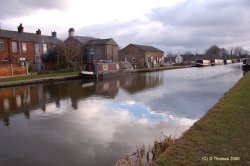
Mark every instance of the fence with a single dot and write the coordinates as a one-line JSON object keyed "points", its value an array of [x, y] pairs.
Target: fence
{"points": [[9, 70]]}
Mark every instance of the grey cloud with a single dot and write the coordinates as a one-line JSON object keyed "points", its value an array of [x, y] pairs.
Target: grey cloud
{"points": [[203, 13], [14, 8], [200, 24], [123, 33], [191, 25]]}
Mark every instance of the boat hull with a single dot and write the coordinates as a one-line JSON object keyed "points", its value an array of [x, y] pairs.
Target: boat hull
{"points": [[103, 69]]}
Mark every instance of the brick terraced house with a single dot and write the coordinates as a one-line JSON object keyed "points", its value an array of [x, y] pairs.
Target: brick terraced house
{"points": [[16, 46]]}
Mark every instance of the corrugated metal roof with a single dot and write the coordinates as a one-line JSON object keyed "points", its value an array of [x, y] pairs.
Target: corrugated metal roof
{"points": [[148, 48], [24, 36]]}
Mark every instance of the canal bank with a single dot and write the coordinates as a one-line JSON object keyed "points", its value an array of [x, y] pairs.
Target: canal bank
{"points": [[46, 78], [220, 137], [36, 79]]}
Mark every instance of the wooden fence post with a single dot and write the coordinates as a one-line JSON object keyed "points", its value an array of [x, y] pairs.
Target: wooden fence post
{"points": [[27, 70], [11, 70]]}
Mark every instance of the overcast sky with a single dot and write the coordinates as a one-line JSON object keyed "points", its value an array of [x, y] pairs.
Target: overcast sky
{"points": [[170, 25]]}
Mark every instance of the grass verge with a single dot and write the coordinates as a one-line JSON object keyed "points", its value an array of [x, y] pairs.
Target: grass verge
{"points": [[221, 137], [29, 77]]}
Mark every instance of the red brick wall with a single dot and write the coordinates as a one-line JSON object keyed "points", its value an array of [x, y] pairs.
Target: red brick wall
{"points": [[5, 70], [132, 51], [14, 56], [6, 52]]}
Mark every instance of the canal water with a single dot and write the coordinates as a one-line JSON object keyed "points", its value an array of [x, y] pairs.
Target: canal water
{"points": [[98, 123]]}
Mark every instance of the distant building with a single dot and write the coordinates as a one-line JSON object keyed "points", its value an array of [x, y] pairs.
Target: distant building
{"points": [[178, 59], [16, 46], [142, 56], [189, 58], [101, 49], [89, 48]]}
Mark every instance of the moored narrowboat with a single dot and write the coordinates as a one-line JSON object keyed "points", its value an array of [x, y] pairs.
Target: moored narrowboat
{"points": [[202, 63], [216, 62], [229, 61], [246, 64], [246, 61], [97, 69]]}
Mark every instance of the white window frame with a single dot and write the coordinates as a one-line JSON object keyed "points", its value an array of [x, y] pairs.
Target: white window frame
{"points": [[24, 47], [92, 51], [37, 49], [45, 48], [105, 67], [14, 46], [117, 67], [1, 45], [133, 59]]}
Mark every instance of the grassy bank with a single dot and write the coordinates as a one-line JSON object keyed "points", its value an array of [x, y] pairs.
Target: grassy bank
{"points": [[221, 137], [30, 77]]}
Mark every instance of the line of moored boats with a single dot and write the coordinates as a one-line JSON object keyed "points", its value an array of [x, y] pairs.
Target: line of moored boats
{"points": [[103, 68], [213, 62]]}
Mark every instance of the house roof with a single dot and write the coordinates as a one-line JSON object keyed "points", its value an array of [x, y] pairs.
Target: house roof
{"points": [[24, 36], [109, 41], [83, 39], [94, 41], [147, 48]]}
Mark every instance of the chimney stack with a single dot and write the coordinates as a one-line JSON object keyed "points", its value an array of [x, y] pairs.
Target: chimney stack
{"points": [[20, 28], [53, 34], [71, 32], [38, 32]]}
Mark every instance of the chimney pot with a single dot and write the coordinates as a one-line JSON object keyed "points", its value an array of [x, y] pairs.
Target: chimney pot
{"points": [[53, 34], [20, 28], [38, 32], [71, 32]]}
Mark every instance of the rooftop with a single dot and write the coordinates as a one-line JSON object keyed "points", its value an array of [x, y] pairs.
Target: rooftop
{"points": [[148, 48], [25, 36]]}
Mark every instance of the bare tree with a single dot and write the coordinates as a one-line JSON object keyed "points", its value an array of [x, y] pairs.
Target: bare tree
{"points": [[214, 50], [224, 52], [231, 50], [238, 51], [68, 57]]}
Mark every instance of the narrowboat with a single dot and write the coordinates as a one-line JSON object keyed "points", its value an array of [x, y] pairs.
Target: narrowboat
{"points": [[216, 62], [246, 63], [201, 63], [102, 68], [227, 61]]}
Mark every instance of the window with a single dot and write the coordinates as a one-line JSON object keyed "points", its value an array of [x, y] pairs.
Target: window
{"points": [[149, 59], [37, 49], [92, 51], [1, 45], [24, 48], [45, 48], [117, 67], [14, 47], [105, 67], [133, 59]]}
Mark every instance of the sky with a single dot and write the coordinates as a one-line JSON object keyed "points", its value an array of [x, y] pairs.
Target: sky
{"points": [[171, 25]]}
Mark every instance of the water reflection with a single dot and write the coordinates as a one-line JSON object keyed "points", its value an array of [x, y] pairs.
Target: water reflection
{"points": [[27, 98], [97, 123]]}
